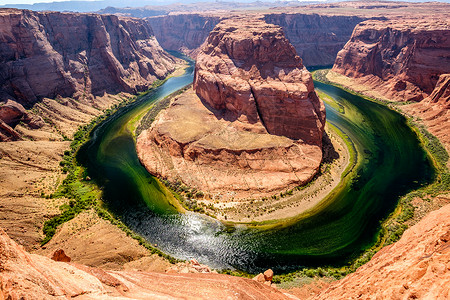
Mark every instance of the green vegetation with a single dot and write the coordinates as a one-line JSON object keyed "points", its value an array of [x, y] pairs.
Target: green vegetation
{"points": [[76, 187], [397, 222]]}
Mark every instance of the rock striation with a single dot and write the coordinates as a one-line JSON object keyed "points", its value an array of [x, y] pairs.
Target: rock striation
{"points": [[435, 110], [31, 276], [254, 125], [184, 32], [317, 38], [52, 54], [252, 73], [400, 58], [415, 267]]}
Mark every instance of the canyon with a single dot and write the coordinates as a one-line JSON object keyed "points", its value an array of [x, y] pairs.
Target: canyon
{"points": [[402, 60], [417, 267], [316, 38], [78, 56], [58, 71], [252, 128]]}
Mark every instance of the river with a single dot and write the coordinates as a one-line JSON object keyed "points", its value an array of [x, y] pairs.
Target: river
{"points": [[390, 162]]}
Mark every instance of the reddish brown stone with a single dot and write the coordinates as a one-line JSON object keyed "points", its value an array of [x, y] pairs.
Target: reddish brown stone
{"points": [[255, 126], [400, 58], [60, 255], [253, 74]]}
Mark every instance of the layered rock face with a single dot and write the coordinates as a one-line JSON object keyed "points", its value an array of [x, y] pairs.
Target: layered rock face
{"points": [[400, 58], [183, 32], [416, 267], [254, 125], [31, 276], [50, 54], [249, 70], [435, 110], [317, 38]]}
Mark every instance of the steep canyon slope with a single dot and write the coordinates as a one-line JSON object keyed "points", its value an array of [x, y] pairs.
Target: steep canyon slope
{"points": [[317, 38], [416, 267], [400, 58], [403, 59], [31, 276], [254, 125], [80, 60], [51, 54]]}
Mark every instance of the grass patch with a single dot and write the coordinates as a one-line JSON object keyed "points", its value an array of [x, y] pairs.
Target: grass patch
{"points": [[77, 187], [396, 223]]}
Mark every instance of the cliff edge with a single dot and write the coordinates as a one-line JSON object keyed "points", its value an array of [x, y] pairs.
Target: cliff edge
{"points": [[252, 126], [400, 58], [54, 55]]}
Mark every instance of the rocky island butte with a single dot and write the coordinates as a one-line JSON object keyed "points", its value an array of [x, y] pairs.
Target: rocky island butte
{"points": [[252, 125]]}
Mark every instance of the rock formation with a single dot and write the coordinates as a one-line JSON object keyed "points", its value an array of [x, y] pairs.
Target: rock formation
{"points": [[416, 267], [435, 110], [254, 126], [252, 73], [31, 276], [51, 54], [400, 58], [317, 38], [183, 32]]}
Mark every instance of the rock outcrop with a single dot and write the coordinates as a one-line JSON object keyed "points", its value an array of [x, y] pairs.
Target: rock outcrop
{"points": [[31, 276], [51, 54], [317, 38], [252, 73], [254, 126], [435, 110], [400, 58], [415, 267], [183, 32]]}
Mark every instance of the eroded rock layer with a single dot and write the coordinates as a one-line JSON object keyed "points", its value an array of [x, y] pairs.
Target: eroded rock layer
{"points": [[183, 32], [415, 267], [51, 54], [31, 276], [435, 110], [250, 71], [317, 38], [254, 125], [400, 58]]}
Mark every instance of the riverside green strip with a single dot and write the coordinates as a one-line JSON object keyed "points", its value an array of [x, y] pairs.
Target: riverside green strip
{"points": [[388, 160]]}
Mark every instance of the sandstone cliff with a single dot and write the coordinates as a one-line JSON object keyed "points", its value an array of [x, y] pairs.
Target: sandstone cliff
{"points": [[31, 276], [50, 54], [249, 70], [183, 32], [254, 126], [416, 267], [435, 110], [400, 58], [317, 38]]}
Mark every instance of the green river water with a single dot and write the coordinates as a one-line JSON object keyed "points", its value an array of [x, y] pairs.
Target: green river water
{"points": [[389, 163]]}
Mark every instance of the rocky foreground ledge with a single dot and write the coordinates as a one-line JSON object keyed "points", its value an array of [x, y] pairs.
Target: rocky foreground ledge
{"points": [[416, 267], [251, 127]]}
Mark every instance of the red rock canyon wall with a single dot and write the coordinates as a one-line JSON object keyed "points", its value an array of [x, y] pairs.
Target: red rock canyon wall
{"points": [[50, 54]]}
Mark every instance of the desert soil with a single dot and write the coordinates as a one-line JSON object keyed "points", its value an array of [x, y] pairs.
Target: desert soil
{"points": [[29, 169]]}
